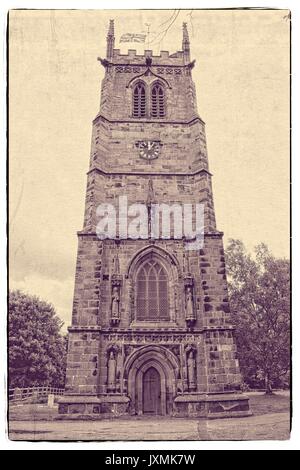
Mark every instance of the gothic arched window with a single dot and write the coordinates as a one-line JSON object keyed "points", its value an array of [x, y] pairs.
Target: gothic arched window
{"points": [[157, 101], [139, 100], [152, 292]]}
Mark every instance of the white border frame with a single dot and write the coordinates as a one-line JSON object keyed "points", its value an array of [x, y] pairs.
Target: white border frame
{"points": [[294, 442]]}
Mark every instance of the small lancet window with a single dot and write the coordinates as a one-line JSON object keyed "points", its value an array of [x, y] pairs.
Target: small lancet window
{"points": [[157, 101], [139, 100]]}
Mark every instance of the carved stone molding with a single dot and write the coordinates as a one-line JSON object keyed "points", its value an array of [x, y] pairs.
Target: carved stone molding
{"points": [[142, 338], [168, 70]]}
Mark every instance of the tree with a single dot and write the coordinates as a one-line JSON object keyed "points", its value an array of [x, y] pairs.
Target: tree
{"points": [[259, 290], [36, 348]]}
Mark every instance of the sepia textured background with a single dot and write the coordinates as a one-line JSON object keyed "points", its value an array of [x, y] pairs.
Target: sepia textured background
{"points": [[242, 81]]}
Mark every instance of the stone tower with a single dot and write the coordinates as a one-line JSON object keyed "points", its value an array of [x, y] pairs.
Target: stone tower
{"points": [[151, 329]]}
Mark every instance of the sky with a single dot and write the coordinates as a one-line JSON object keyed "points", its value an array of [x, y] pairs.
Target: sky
{"points": [[242, 83]]}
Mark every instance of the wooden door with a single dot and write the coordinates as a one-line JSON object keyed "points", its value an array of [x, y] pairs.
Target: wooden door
{"points": [[151, 392]]}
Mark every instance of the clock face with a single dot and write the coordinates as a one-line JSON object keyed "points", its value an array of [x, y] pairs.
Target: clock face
{"points": [[149, 149]]}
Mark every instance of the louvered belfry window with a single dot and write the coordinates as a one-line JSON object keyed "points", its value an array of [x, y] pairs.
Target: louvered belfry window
{"points": [[152, 292], [157, 101], [139, 100]]}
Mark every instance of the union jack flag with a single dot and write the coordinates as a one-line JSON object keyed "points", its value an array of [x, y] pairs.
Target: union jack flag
{"points": [[133, 37]]}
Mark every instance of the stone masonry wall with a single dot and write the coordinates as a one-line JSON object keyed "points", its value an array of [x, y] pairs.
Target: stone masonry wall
{"points": [[83, 362], [179, 175], [217, 366], [114, 146], [168, 189], [172, 72]]}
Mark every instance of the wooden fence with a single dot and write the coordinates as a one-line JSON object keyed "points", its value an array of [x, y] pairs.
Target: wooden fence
{"points": [[18, 395]]}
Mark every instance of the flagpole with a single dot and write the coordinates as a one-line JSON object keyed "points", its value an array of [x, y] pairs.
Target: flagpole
{"points": [[148, 34]]}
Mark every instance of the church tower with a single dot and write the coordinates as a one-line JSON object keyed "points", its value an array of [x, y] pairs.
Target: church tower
{"points": [[151, 327]]}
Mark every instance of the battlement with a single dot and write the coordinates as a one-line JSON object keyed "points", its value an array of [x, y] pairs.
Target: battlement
{"points": [[165, 58], [178, 58]]}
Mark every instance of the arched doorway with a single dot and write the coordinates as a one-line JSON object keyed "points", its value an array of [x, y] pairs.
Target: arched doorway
{"points": [[151, 373], [151, 392]]}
